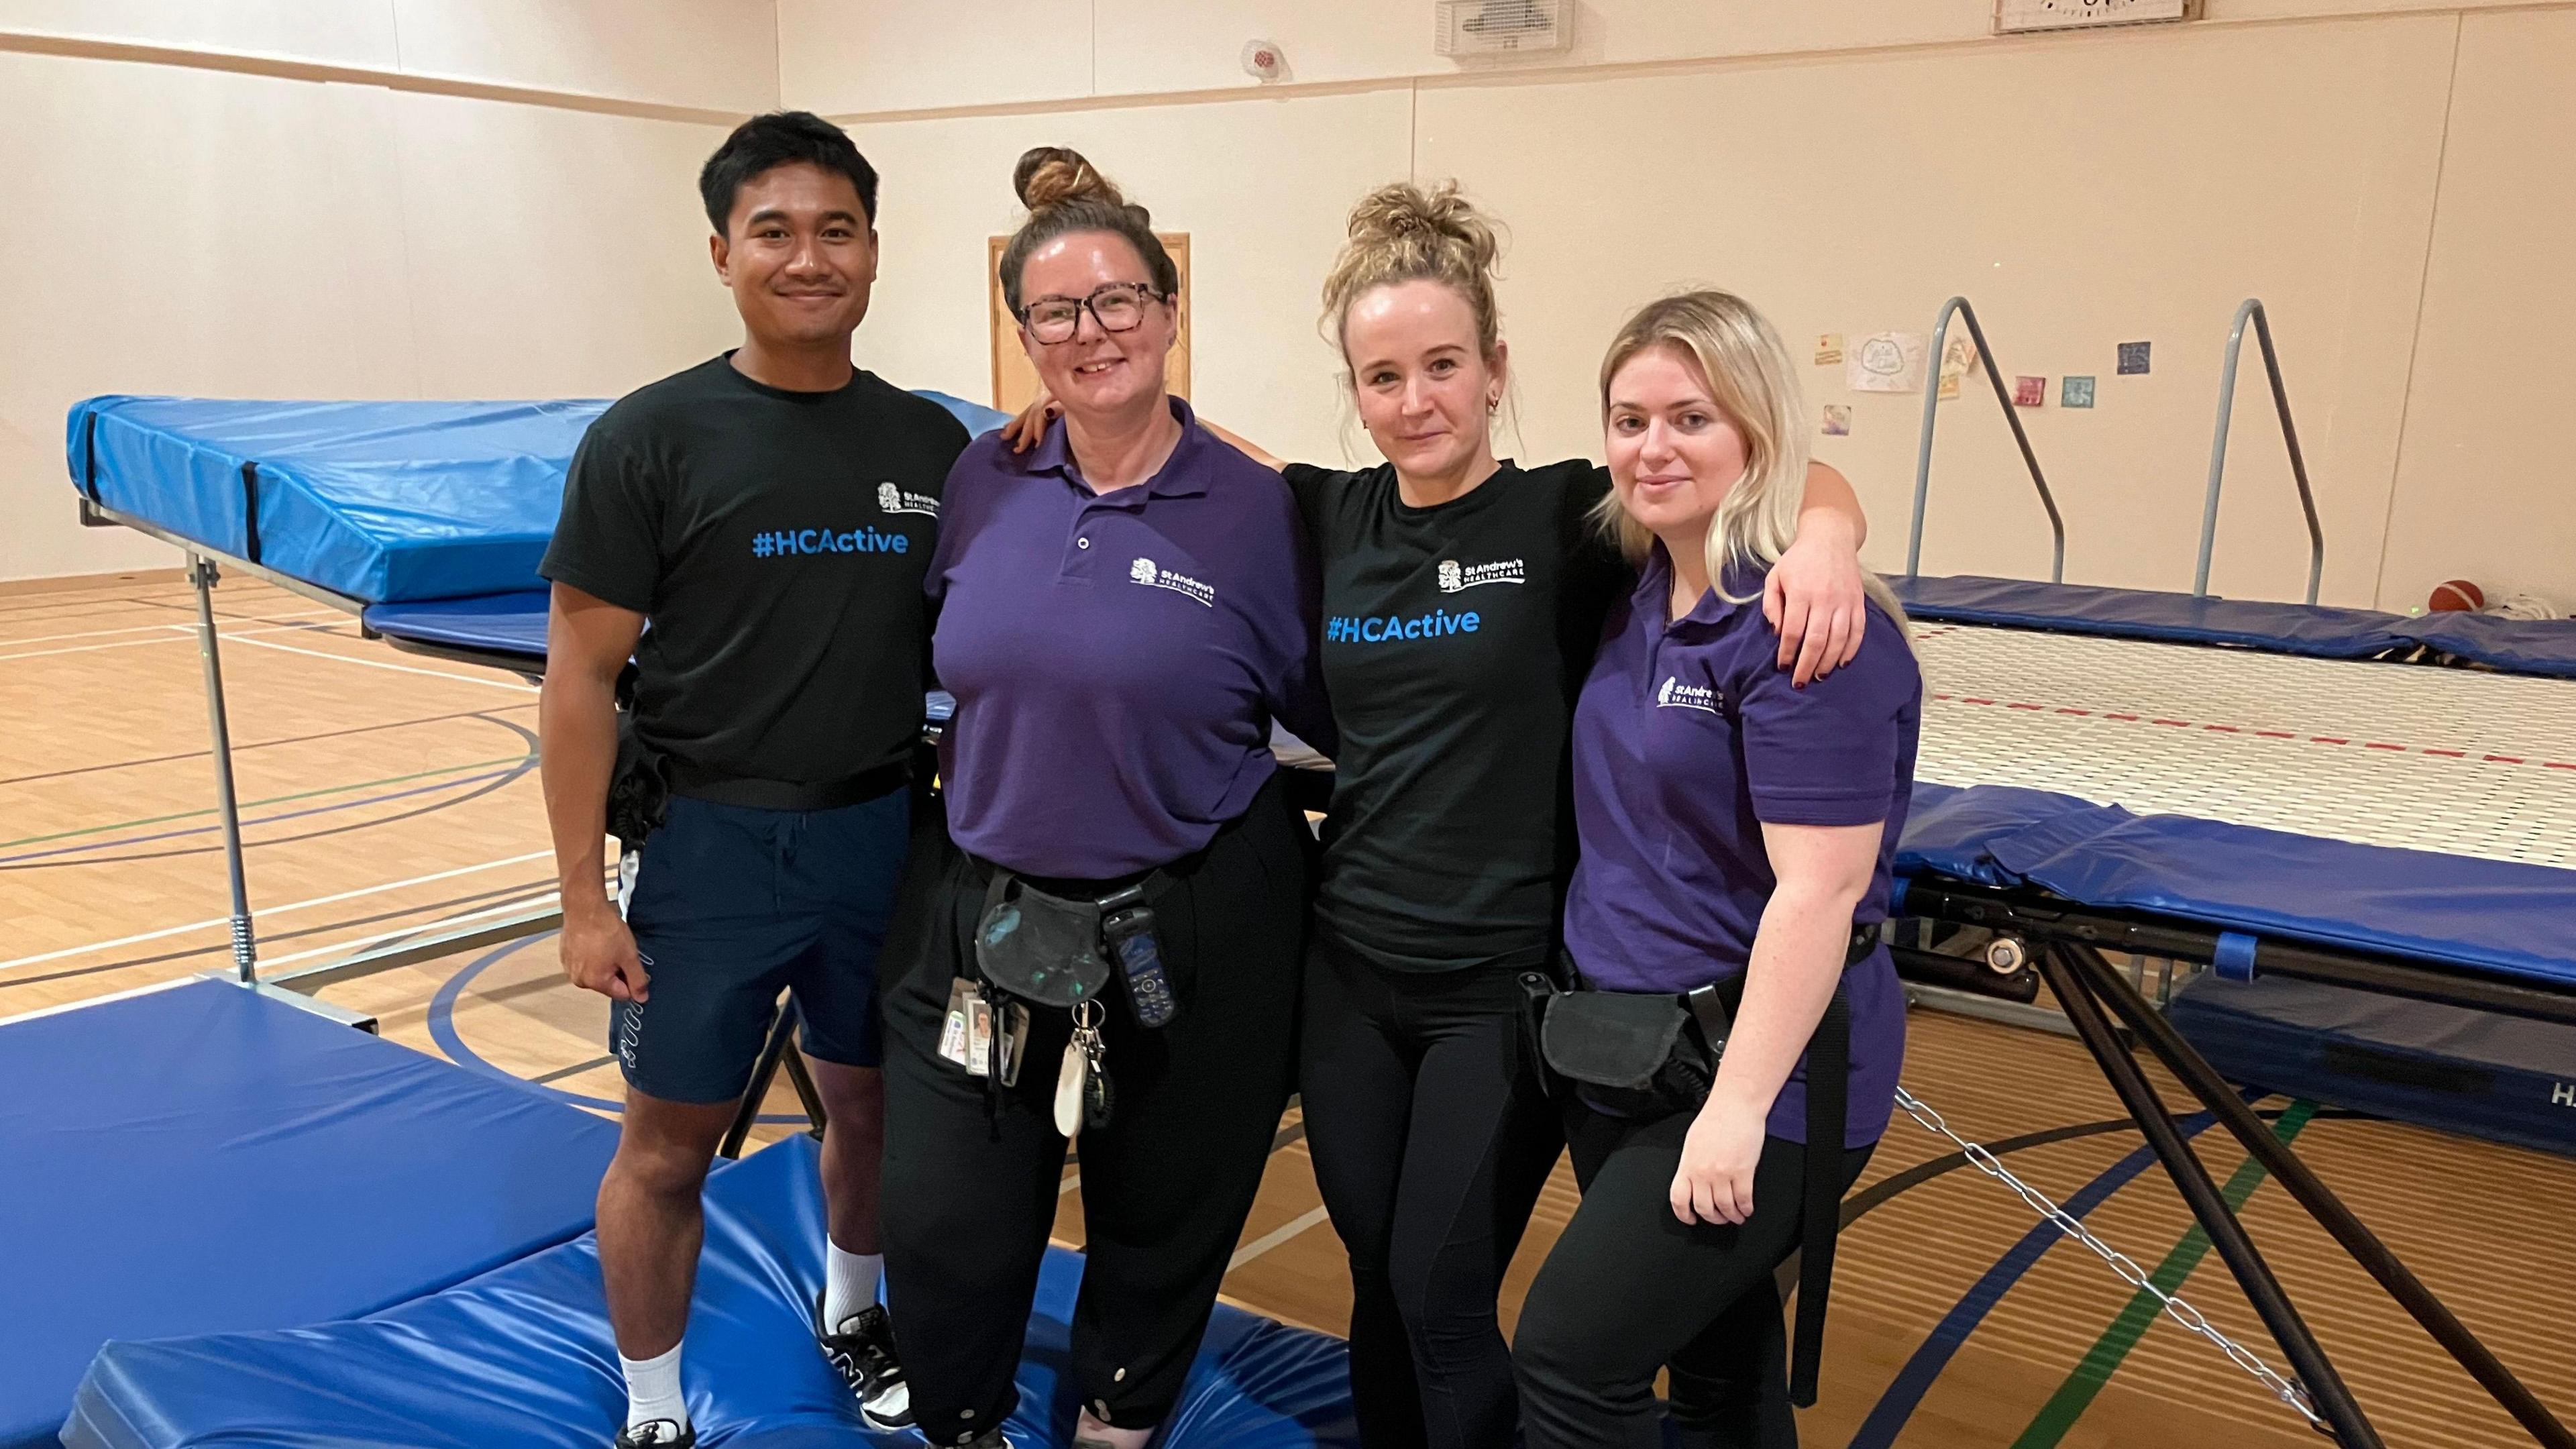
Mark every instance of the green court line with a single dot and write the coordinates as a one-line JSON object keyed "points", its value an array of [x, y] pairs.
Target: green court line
{"points": [[2076, 1395], [271, 800]]}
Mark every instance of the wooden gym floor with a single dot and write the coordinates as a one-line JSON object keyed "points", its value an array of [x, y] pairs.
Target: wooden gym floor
{"points": [[384, 793]]}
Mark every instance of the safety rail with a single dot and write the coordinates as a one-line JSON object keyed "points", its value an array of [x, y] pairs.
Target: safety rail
{"points": [[1932, 411], [2253, 308]]}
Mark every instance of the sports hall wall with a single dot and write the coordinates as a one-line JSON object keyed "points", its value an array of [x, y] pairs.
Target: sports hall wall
{"points": [[2396, 181], [492, 197], [398, 198]]}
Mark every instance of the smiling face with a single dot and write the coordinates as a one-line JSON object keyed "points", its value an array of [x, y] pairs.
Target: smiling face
{"points": [[1426, 391], [1674, 454], [799, 256], [1097, 373]]}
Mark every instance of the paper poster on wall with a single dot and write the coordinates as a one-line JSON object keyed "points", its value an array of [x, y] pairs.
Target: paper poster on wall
{"points": [[1958, 359], [1829, 349], [2133, 358], [2030, 392], [2075, 392], [1837, 420], [1886, 362]]}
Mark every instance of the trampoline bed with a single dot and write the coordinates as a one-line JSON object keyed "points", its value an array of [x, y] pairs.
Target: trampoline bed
{"points": [[207, 1159]]}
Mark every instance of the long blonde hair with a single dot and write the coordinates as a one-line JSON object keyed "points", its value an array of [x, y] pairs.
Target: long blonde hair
{"points": [[1753, 381]]}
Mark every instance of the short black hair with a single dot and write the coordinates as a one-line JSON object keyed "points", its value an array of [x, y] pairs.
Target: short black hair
{"points": [[781, 138]]}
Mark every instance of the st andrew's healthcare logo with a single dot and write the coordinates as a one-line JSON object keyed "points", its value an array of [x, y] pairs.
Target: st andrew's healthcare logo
{"points": [[1677, 695], [1455, 576], [891, 499], [1145, 571]]}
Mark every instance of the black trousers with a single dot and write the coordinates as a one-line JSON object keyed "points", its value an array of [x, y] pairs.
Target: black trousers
{"points": [[1431, 1136], [1629, 1289], [971, 1185]]}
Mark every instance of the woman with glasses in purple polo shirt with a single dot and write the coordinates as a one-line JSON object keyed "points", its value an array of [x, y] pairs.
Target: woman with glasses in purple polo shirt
{"points": [[1735, 836], [1110, 945]]}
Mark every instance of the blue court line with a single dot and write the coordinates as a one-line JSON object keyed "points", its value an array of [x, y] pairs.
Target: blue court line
{"points": [[442, 1030], [127, 840], [1912, 1382]]}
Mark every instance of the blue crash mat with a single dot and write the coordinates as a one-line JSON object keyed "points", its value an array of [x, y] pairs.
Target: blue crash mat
{"points": [[2516, 646], [2448, 1067], [512, 625], [522, 1357], [203, 1160], [375, 500], [2489, 915], [2304, 629], [384, 502]]}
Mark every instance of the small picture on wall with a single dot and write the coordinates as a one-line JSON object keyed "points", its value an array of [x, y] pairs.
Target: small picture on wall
{"points": [[2030, 392], [1837, 420], [2133, 359], [1829, 349], [2075, 392]]}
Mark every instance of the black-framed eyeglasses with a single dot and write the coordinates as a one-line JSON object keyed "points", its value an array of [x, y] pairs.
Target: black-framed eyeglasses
{"points": [[1117, 307]]}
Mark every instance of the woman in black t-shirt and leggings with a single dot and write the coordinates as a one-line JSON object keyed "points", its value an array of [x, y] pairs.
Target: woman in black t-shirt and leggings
{"points": [[1462, 600]]}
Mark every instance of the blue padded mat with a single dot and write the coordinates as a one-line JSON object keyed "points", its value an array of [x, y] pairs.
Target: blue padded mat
{"points": [[523, 1357], [2516, 646], [375, 500], [2491, 915], [384, 502], [2442, 1066], [202, 1160], [512, 624], [2304, 629]]}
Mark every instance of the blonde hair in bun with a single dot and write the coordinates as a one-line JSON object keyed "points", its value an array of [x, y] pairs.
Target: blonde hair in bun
{"points": [[1402, 233], [1066, 194]]}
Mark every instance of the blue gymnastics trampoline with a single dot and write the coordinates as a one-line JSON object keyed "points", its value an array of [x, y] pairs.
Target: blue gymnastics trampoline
{"points": [[206, 1159], [522, 1356]]}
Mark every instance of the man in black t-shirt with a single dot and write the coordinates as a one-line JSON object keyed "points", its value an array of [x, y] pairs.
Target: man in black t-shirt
{"points": [[769, 515]]}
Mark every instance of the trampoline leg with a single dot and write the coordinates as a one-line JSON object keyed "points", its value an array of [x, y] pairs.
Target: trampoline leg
{"points": [[778, 1051], [2325, 1387], [2303, 1184], [201, 572]]}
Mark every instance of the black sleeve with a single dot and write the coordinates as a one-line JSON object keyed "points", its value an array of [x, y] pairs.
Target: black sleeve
{"points": [[608, 541], [1312, 487], [1596, 574]]}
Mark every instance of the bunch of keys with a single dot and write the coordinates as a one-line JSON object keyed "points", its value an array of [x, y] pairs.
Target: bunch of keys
{"points": [[1082, 1083]]}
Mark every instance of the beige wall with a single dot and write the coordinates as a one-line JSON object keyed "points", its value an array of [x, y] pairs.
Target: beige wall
{"points": [[2391, 177], [182, 226]]}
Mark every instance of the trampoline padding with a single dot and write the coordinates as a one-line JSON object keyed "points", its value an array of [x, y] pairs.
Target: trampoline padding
{"points": [[2503, 1078], [203, 1160], [522, 1356]]}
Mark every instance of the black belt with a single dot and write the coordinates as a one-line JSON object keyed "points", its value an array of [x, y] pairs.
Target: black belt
{"points": [[722, 789]]}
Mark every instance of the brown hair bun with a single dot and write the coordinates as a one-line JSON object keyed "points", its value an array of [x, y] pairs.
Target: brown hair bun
{"points": [[1403, 233], [1050, 176]]}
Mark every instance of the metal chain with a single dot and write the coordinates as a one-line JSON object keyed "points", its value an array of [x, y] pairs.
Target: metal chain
{"points": [[2190, 1318]]}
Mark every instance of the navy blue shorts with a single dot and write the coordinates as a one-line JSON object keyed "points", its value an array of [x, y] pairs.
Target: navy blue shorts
{"points": [[730, 906]]}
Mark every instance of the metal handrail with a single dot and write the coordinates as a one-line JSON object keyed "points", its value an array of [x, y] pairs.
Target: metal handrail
{"points": [[1931, 411], [2253, 307]]}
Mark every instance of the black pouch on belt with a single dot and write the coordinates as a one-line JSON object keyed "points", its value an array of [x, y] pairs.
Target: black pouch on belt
{"points": [[639, 786], [1040, 948]]}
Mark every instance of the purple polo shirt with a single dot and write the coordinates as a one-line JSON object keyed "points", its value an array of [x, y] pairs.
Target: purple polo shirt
{"points": [[1117, 658], [1686, 740]]}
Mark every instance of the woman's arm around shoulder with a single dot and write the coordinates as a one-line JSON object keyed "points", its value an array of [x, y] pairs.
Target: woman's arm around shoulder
{"points": [[1813, 595]]}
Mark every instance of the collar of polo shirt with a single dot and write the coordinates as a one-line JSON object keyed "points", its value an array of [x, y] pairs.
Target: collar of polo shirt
{"points": [[1655, 583], [1181, 475]]}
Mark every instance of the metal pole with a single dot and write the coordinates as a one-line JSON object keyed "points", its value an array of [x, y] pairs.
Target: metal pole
{"points": [[1923, 454], [2218, 448], [2021, 438], [2252, 309], [2325, 1388], [2311, 1192], [2298, 459], [201, 572]]}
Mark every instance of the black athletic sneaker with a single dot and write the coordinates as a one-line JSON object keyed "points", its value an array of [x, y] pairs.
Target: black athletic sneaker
{"points": [[658, 1434], [863, 1350]]}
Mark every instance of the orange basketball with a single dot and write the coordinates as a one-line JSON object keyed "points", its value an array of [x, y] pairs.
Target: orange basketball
{"points": [[2456, 595]]}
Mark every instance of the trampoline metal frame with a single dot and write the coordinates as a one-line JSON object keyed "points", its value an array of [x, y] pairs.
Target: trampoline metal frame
{"points": [[2067, 943]]}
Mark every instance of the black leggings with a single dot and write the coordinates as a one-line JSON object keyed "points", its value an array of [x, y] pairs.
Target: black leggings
{"points": [[971, 1193], [1629, 1289], [1431, 1138]]}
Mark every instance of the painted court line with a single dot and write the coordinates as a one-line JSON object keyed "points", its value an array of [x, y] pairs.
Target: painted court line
{"points": [[159, 628], [305, 905], [1275, 1237], [511, 685], [174, 634], [523, 903]]}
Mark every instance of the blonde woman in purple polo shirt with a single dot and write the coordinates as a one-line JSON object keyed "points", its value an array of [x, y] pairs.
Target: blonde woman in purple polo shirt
{"points": [[1124, 610], [1735, 835]]}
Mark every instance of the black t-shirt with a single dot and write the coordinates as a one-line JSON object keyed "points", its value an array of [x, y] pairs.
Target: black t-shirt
{"points": [[1455, 640], [776, 543]]}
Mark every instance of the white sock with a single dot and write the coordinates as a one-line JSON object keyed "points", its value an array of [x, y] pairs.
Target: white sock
{"points": [[849, 1284], [653, 1389]]}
